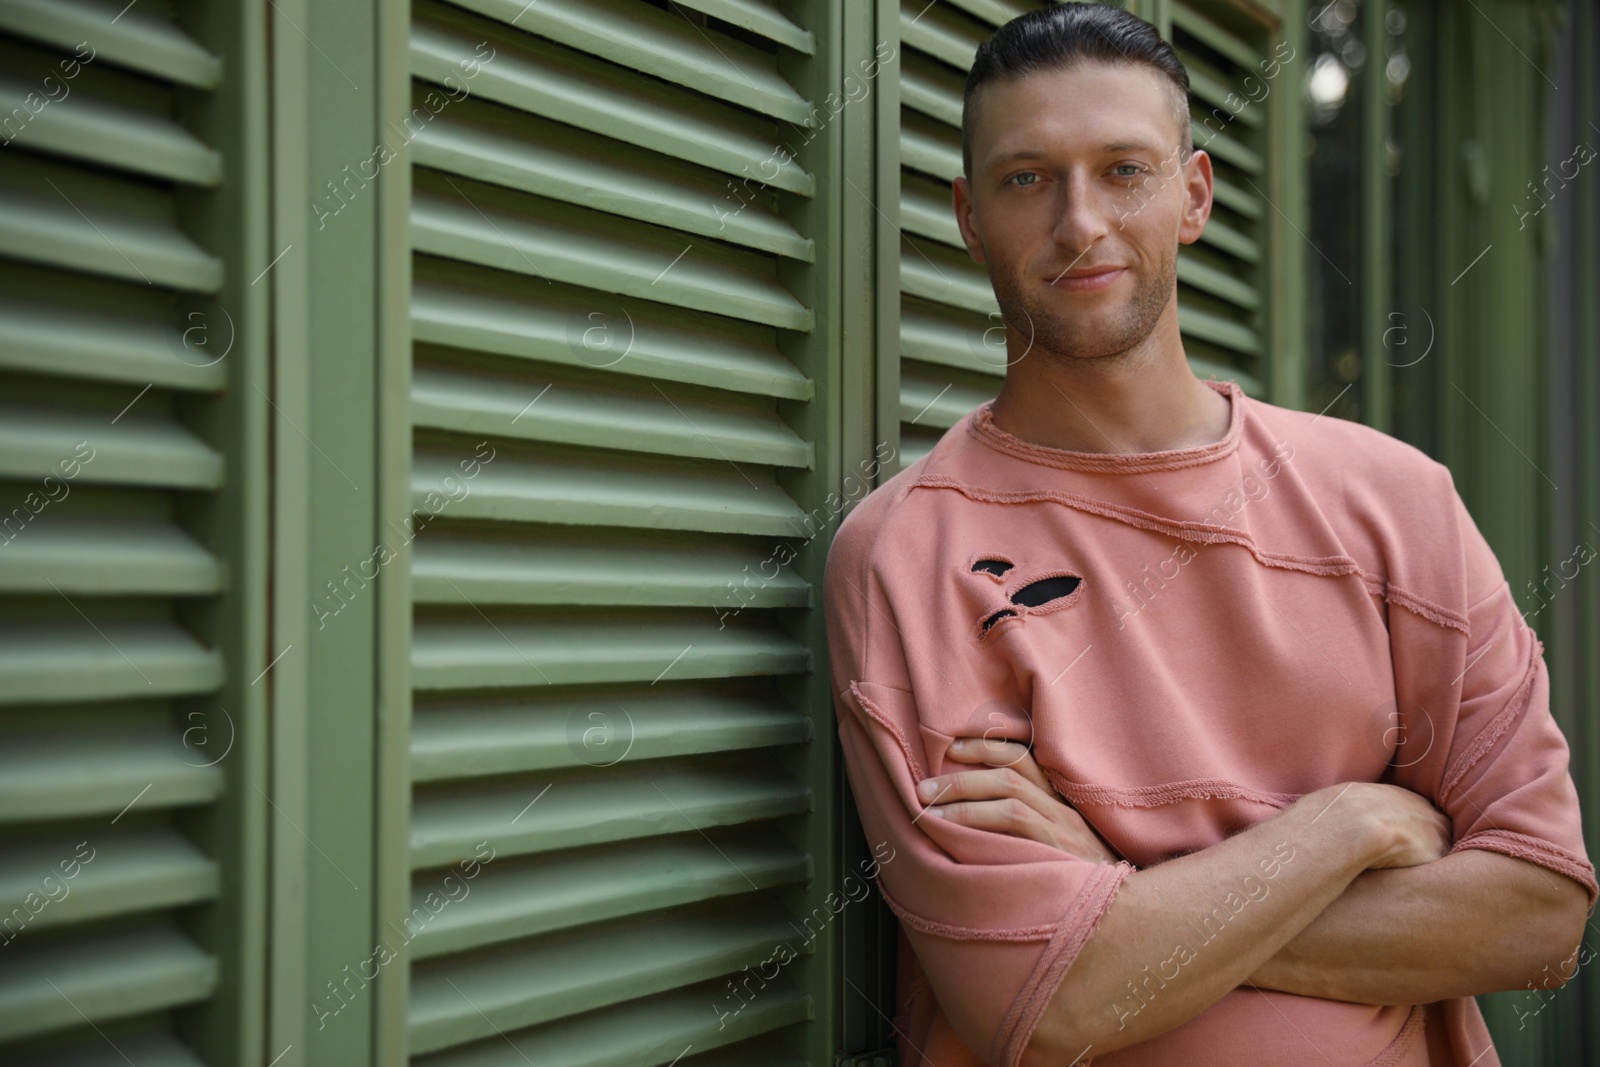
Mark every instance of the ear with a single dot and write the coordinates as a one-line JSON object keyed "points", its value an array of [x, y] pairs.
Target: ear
{"points": [[961, 191], [1197, 186]]}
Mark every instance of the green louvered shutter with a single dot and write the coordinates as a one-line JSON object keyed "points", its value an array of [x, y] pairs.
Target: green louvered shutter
{"points": [[952, 354], [1222, 278], [604, 689], [127, 576], [947, 307]]}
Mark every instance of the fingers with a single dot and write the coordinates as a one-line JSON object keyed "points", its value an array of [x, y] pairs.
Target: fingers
{"points": [[989, 784], [1006, 815], [1000, 799], [999, 752], [995, 751]]}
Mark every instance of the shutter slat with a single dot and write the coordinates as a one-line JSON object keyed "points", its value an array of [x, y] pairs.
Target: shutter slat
{"points": [[927, 148], [133, 451], [945, 35], [592, 95], [52, 663], [104, 132], [485, 572], [146, 1050], [577, 811], [757, 17], [595, 884], [556, 324], [590, 415], [1234, 198], [1218, 330], [473, 998], [578, 490], [1218, 283], [131, 37], [930, 88], [125, 873], [101, 558], [479, 740], [936, 274], [658, 43], [657, 1029], [546, 240], [503, 147], [997, 12], [58, 338], [1224, 147], [61, 777], [1214, 91], [479, 653], [106, 977], [1186, 18], [71, 233], [926, 209], [934, 403], [933, 334], [1225, 238]]}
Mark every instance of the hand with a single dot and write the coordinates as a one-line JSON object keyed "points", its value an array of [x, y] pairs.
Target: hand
{"points": [[1411, 829], [1422, 833], [1012, 796]]}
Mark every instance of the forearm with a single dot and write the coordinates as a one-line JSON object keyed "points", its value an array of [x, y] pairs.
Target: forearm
{"points": [[1468, 923], [1129, 984]]}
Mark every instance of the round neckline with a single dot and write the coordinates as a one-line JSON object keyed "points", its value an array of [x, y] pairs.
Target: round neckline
{"points": [[981, 425]]}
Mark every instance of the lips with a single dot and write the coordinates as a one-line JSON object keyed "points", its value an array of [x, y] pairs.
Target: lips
{"points": [[1088, 278]]}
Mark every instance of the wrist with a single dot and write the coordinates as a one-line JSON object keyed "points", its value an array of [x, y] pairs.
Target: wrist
{"points": [[1355, 813]]}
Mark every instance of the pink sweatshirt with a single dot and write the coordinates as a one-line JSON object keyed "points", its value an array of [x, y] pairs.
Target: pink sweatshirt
{"points": [[1190, 639]]}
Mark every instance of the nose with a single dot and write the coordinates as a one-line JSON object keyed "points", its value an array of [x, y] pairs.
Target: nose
{"points": [[1081, 215]]}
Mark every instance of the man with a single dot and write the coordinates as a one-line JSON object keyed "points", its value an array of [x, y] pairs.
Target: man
{"points": [[1259, 766]]}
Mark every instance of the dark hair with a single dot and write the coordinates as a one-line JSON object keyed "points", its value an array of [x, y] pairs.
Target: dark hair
{"points": [[1062, 35]]}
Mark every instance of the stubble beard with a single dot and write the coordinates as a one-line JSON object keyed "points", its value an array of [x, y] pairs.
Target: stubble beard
{"points": [[1052, 334]]}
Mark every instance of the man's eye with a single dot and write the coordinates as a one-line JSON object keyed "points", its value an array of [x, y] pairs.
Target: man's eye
{"points": [[1025, 178], [1132, 170]]}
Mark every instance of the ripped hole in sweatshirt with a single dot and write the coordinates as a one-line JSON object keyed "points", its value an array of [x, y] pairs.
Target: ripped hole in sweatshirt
{"points": [[1035, 594], [996, 567], [1003, 613]]}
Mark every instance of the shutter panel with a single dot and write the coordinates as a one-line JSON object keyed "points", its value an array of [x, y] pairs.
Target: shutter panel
{"points": [[1222, 280], [111, 662], [603, 301], [946, 304], [946, 366]]}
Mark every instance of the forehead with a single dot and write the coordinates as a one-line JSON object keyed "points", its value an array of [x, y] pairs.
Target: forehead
{"points": [[1078, 108]]}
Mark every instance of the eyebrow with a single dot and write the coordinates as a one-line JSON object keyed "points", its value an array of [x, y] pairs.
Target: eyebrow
{"points": [[1113, 147]]}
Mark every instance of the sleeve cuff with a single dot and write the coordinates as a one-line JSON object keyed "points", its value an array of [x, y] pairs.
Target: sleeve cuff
{"points": [[1535, 850], [1074, 929]]}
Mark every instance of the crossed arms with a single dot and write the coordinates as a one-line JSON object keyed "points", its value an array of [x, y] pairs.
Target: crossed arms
{"points": [[1373, 907], [1466, 875]]}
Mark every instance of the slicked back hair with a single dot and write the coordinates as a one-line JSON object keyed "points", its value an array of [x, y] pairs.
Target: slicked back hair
{"points": [[1061, 36]]}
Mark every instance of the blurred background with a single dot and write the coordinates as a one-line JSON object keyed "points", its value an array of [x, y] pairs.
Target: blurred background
{"points": [[421, 428]]}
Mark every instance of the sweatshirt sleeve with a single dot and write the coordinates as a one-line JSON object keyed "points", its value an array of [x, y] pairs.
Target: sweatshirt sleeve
{"points": [[1484, 744], [994, 920]]}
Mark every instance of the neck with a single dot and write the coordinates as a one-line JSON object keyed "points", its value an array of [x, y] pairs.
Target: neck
{"points": [[1143, 400]]}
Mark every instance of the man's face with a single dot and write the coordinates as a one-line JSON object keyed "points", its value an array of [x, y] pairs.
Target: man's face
{"points": [[1076, 172]]}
